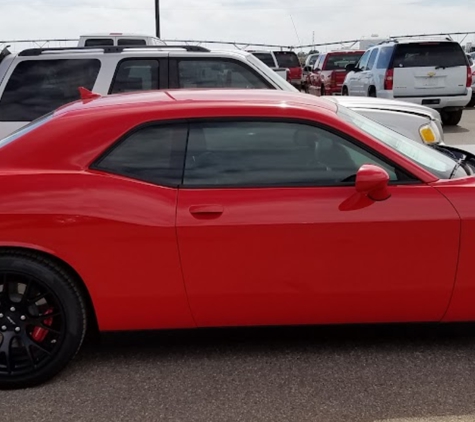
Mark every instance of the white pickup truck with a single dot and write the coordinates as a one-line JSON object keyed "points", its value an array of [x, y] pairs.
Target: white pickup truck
{"points": [[35, 82], [269, 59], [118, 39]]}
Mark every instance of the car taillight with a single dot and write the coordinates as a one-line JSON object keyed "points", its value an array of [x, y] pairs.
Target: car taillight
{"points": [[389, 80], [469, 77], [287, 72]]}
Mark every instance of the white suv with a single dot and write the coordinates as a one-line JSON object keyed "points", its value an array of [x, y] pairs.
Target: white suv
{"points": [[35, 82], [434, 73]]}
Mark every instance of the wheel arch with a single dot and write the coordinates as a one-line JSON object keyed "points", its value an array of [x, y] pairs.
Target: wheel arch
{"points": [[93, 326]]}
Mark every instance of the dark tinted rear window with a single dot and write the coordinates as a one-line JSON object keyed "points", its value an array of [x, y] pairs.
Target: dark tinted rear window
{"points": [[39, 87], [287, 59], [154, 154], [131, 41], [429, 54], [385, 54], [266, 58], [99, 41], [340, 61]]}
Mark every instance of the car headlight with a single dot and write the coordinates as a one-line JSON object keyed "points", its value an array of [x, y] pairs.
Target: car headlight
{"points": [[430, 134]]}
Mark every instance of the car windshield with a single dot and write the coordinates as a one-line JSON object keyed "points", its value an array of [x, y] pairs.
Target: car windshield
{"points": [[430, 159]]}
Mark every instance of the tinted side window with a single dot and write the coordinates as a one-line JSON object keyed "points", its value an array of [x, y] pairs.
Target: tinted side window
{"points": [[385, 54], [99, 42], [372, 59], [153, 154], [131, 41], [136, 75], [216, 73], [428, 54], [38, 87], [232, 154]]}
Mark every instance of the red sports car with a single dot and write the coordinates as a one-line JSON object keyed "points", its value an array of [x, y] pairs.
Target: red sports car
{"points": [[222, 208]]}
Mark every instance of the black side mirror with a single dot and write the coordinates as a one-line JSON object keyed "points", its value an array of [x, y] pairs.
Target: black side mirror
{"points": [[350, 67]]}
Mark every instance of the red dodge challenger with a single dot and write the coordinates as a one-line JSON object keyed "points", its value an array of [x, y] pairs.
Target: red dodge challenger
{"points": [[216, 208]]}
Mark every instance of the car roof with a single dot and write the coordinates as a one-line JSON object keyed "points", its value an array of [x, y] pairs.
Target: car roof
{"points": [[345, 51], [192, 98], [418, 40], [52, 53]]}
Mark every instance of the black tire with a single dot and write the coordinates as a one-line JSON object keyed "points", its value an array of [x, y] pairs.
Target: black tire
{"points": [[27, 359], [344, 91], [372, 92], [451, 118]]}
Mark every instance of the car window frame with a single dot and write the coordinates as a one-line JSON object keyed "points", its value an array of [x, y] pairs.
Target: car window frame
{"points": [[173, 73], [162, 71], [95, 165], [320, 62], [374, 53], [411, 178], [360, 65]]}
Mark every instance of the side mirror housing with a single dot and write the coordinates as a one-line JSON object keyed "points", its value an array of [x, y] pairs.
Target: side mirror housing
{"points": [[351, 67], [372, 181], [307, 69]]}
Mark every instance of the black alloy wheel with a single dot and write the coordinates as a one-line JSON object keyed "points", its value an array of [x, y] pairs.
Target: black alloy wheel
{"points": [[42, 320]]}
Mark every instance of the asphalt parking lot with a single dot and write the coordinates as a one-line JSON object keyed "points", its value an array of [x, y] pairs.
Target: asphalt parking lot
{"points": [[329, 374]]}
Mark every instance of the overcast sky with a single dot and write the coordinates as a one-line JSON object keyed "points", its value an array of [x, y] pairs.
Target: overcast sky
{"points": [[264, 21]]}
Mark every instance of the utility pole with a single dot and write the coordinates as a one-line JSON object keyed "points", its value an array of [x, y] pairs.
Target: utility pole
{"points": [[157, 18]]}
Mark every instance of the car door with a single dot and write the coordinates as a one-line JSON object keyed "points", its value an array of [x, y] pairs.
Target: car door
{"points": [[270, 234], [358, 79], [366, 76], [315, 76]]}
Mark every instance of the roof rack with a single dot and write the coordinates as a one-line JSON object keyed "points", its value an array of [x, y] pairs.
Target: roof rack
{"points": [[112, 49]]}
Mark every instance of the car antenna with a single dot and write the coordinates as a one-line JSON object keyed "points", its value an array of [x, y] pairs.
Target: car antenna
{"points": [[86, 94]]}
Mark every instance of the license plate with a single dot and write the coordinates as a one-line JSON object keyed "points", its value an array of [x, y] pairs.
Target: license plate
{"points": [[431, 82]]}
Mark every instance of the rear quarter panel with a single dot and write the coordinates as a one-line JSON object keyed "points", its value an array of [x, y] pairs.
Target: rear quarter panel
{"points": [[117, 234]]}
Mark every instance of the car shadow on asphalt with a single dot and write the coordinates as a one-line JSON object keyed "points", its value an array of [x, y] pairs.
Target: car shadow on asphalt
{"points": [[250, 340]]}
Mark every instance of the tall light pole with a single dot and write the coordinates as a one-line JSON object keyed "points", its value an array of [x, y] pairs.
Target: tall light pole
{"points": [[157, 18]]}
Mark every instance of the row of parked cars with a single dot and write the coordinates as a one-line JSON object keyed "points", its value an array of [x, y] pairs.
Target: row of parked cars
{"points": [[432, 72], [222, 170]]}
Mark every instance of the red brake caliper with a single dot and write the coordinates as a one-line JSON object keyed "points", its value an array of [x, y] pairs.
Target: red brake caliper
{"points": [[39, 334]]}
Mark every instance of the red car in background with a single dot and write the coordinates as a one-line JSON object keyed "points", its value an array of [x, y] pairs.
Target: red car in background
{"points": [[290, 60], [329, 72]]}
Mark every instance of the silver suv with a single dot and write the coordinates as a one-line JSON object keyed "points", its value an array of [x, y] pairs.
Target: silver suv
{"points": [[434, 73], [35, 82]]}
